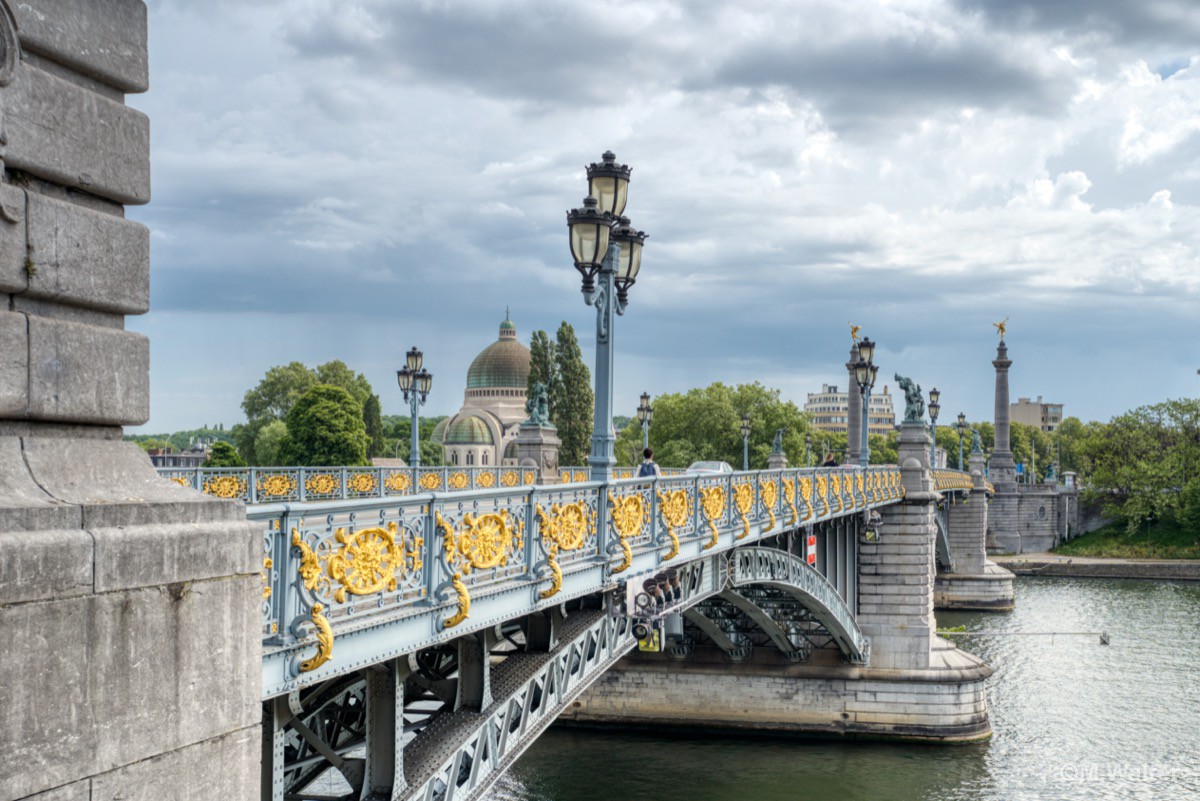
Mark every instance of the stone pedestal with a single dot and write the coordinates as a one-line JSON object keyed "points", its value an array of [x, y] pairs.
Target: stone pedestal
{"points": [[132, 606], [777, 461], [975, 583], [537, 449]]}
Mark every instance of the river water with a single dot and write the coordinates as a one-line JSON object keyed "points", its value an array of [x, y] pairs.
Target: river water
{"points": [[1072, 719]]}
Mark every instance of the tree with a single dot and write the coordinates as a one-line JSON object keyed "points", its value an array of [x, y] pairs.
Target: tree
{"points": [[543, 366], [373, 424], [266, 444], [337, 374], [325, 427], [572, 402], [223, 454]]}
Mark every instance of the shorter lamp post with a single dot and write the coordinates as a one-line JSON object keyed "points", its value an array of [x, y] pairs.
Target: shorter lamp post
{"points": [[414, 381], [645, 413], [934, 408], [962, 427], [745, 442], [808, 449], [865, 371]]}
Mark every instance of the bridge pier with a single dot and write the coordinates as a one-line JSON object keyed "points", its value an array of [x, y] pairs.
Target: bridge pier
{"points": [[914, 685], [973, 581]]}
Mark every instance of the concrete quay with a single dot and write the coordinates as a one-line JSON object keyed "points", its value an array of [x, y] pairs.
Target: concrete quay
{"points": [[1049, 564]]}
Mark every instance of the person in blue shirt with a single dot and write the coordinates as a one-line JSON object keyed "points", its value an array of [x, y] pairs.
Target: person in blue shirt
{"points": [[649, 468]]}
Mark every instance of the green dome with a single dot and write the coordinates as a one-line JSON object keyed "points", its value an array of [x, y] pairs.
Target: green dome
{"points": [[439, 431], [468, 431], [504, 363]]}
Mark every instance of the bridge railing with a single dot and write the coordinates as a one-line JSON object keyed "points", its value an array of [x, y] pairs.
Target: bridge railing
{"points": [[945, 480], [429, 566], [259, 485]]}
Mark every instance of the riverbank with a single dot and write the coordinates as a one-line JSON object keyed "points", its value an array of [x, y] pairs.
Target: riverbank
{"points": [[1053, 564], [1165, 539]]}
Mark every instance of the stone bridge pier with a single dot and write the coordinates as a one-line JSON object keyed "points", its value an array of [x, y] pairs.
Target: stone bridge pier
{"points": [[912, 685], [972, 580], [130, 606]]}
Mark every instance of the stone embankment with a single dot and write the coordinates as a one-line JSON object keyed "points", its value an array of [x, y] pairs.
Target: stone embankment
{"points": [[1048, 564]]}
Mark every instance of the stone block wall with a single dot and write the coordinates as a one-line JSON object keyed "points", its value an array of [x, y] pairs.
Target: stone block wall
{"points": [[131, 604], [967, 530]]}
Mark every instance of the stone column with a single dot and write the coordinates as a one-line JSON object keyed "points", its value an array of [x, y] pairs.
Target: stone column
{"points": [[1002, 471], [131, 606], [854, 421], [896, 572], [537, 449], [777, 461]]}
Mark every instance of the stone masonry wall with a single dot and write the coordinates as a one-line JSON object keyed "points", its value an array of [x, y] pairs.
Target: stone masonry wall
{"points": [[131, 605]]}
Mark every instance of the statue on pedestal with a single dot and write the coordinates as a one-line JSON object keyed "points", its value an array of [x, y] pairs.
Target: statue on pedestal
{"points": [[914, 401]]}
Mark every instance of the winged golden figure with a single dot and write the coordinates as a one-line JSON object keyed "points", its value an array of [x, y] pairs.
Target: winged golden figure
{"points": [[1001, 327], [854, 329]]}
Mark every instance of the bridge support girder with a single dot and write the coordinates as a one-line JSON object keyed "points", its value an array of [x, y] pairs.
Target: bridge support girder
{"points": [[385, 730], [542, 629], [475, 670]]}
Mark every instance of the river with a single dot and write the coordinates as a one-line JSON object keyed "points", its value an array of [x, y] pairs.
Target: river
{"points": [[1072, 719]]}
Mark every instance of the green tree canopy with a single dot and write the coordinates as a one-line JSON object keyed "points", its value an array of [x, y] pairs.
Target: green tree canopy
{"points": [[543, 366], [572, 400], [266, 444], [373, 424], [223, 454], [325, 427]]}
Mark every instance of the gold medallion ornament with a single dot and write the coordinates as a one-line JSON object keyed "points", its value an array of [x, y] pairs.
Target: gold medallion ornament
{"points": [[225, 486], [528, 477], [458, 481], [321, 484], [509, 478], [565, 478], [566, 528], [370, 561], [768, 491], [743, 497], [712, 501], [485, 542], [485, 480], [362, 483], [278, 485], [580, 477], [675, 508], [806, 495], [789, 497], [430, 481], [398, 483], [628, 517], [324, 640]]}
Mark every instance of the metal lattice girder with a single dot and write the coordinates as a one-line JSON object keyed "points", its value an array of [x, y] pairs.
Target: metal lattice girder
{"points": [[459, 563], [945, 557], [761, 619], [782, 570]]}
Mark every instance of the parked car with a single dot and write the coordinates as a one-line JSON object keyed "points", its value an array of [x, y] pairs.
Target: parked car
{"points": [[708, 469]]}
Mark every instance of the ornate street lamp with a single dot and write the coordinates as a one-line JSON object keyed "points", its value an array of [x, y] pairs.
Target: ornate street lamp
{"points": [[604, 245], [865, 371], [808, 449], [745, 442], [934, 408], [415, 382], [645, 413], [962, 427]]}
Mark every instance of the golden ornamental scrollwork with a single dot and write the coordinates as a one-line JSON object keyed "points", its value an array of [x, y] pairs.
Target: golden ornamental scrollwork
{"points": [[322, 484], [311, 574], [769, 492], [485, 542], [458, 481], [743, 498], [823, 492], [181, 481], [712, 501], [268, 563], [806, 495], [430, 481], [566, 528], [362, 483], [398, 483], [324, 640], [528, 477], [276, 485], [485, 480], [225, 486], [789, 497], [675, 509], [860, 481], [835, 486], [510, 478], [628, 517], [371, 560]]}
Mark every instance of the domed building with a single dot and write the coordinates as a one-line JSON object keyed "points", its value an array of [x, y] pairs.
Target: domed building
{"points": [[484, 431]]}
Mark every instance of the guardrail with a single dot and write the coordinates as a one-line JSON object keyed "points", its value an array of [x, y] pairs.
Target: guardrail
{"points": [[384, 577], [259, 485]]}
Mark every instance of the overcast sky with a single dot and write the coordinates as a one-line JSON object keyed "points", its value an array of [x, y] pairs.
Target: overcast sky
{"points": [[342, 179]]}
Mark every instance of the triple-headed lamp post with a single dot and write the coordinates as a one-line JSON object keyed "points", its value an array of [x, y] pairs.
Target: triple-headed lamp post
{"points": [[604, 245], [645, 413], [745, 442], [414, 381], [934, 408], [865, 371], [962, 428]]}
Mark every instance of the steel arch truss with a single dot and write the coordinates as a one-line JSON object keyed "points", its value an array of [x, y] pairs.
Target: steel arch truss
{"points": [[780, 570]]}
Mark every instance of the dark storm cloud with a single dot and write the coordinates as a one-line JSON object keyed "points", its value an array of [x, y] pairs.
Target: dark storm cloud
{"points": [[1122, 21]]}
